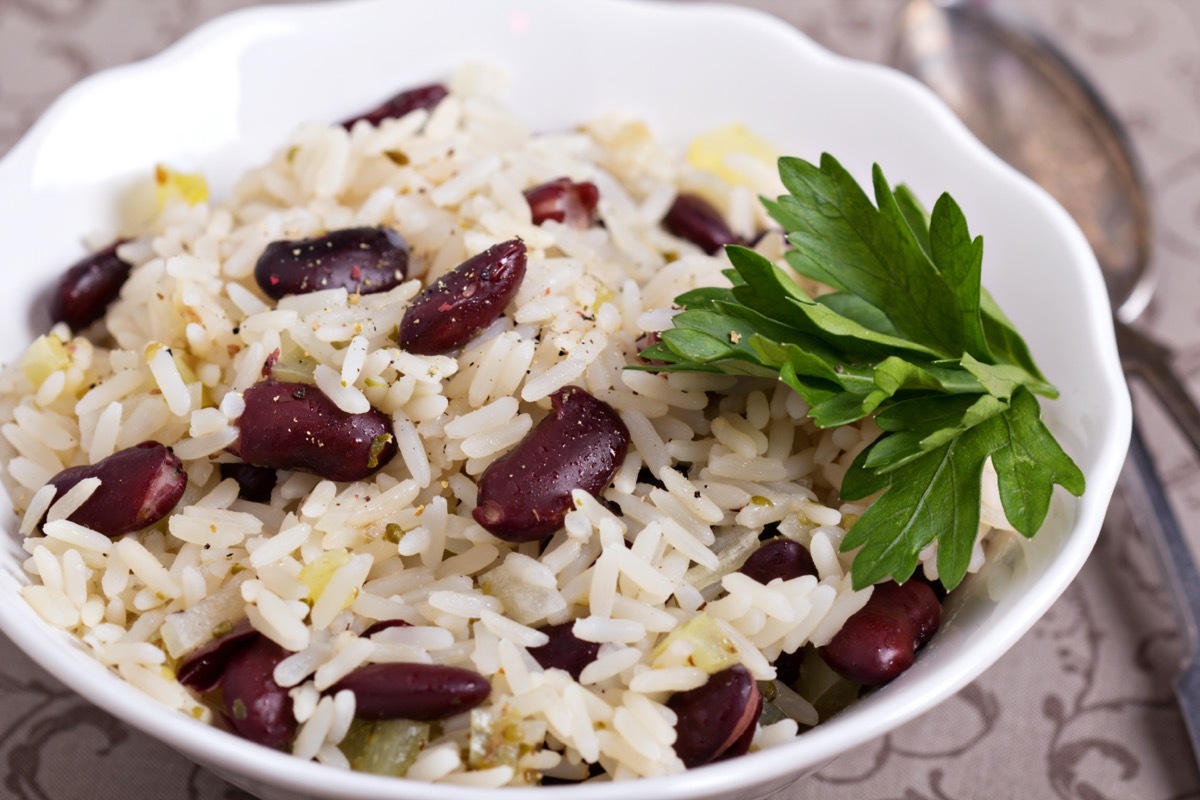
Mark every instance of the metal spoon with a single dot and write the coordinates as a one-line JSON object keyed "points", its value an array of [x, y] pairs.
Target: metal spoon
{"points": [[1033, 108], [1026, 102]]}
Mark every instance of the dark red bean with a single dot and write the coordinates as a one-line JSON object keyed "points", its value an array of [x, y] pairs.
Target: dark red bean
{"points": [[741, 745], [402, 104], [563, 200], [383, 625], [138, 486], [88, 287], [201, 669], [778, 558], [564, 651], [713, 718], [693, 218], [524, 494], [256, 707], [413, 691], [464, 301], [920, 603], [359, 260], [268, 367], [297, 426], [879, 642], [788, 667], [254, 483]]}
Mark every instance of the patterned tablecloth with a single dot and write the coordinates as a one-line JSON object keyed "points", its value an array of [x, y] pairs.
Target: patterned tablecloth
{"points": [[1080, 708]]}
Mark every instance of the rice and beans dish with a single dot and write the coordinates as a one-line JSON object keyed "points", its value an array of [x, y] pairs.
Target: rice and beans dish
{"points": [[352, 465]]}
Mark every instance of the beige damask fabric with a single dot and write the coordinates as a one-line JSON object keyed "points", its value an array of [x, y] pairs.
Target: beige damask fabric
{"points": [[1080, 709]]}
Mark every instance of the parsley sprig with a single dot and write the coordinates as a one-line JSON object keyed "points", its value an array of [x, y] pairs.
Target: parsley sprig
{"points": [[908, 335]]}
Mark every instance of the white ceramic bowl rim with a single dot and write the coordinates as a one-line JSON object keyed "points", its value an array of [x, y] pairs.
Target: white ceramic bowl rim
{"points": [[773, 767]]}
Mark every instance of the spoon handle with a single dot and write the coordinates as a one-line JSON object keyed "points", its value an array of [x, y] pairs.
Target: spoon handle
{"points": [[1152, 362], [1149, 503]]}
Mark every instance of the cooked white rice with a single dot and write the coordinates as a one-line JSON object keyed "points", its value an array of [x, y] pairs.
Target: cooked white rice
{"points": [[192, 330]]}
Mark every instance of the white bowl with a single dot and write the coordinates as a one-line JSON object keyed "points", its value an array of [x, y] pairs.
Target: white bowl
{"points": [[224, 97]]}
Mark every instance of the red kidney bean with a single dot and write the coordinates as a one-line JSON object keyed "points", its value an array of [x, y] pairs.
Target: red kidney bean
{"points": [[778, 558], [138, 486], [413, 691], [404, 103], [86, 289], [524, 494], [741, 745], [788, 666], [201, 669], [297, 426], [383, 625], [254, 483], [256, 707], [879, 642], [359, 260], [565, 650], [448, 312], [563, 200], [693, 218], [713, 718]]}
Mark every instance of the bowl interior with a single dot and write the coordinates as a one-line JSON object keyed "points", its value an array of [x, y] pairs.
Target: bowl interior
{"points": [[224, 98]]}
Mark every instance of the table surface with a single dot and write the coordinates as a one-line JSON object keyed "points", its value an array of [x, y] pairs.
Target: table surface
{"points": [[1080, 708]]}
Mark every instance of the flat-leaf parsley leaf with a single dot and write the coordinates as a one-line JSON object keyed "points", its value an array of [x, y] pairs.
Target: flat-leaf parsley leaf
{"points": [[907, 335]]}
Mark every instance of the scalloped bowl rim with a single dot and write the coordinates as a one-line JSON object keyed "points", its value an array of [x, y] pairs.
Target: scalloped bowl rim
{"points": [[767, 768]]}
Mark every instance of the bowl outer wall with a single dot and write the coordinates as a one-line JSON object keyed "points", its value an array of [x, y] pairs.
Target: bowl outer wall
{"points": [[224, 97]]}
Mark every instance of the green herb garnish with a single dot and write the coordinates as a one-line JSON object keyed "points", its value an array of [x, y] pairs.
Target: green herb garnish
{"points": [[393, 533], [909, 335], [378, 445]]}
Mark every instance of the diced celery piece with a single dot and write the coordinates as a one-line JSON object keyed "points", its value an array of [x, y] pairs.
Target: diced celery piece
{"points": [[317, 574], [523, 601], [296, 367], [783, 700], [730, 556], [185, 369], [44, 357], [603, 295], [711, 151], [171, 187], [705, 644], [495, 738], [828, 691], [384, 747]]}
